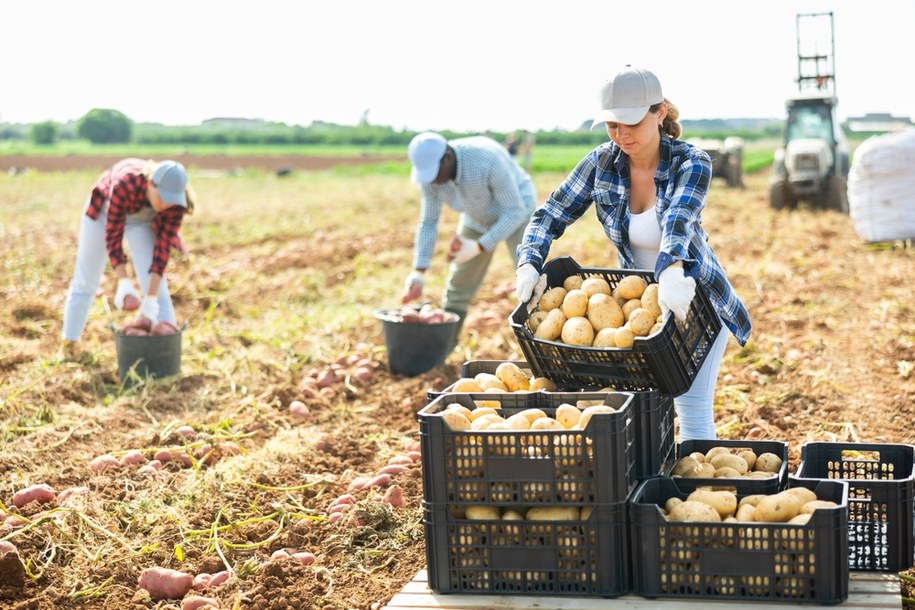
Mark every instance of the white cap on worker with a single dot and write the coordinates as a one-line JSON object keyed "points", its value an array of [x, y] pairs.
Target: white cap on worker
{"points": [[426, 151], [627, 97]]}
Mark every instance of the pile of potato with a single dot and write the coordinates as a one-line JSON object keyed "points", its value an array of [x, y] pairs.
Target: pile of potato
{"points": [[488, 512], [793, 506], [486, 416], [727, 463], [590, 312], [508, 377]]}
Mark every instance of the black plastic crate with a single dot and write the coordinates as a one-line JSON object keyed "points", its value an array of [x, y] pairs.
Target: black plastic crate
{"points": [[587, 557], [743, 486], [652, 412], [773, 562], [881, 510], [529, 467], [667, 361]]}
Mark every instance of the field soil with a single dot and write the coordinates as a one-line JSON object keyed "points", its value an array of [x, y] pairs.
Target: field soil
{"points": [[831, 358]]}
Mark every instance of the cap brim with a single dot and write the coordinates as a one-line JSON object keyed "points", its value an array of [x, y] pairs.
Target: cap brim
{"points": [[626, 116], [424, 175], [173, 197]]}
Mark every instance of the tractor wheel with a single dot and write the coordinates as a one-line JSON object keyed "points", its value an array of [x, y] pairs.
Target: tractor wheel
{"points": [[836, 194], [735, 169], [779, 196]]}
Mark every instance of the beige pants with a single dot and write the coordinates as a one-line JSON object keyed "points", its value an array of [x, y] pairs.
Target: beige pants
{"points": [[464, 280]]}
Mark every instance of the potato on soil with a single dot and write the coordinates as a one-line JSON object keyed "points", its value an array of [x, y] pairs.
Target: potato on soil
{"points": [[632, 287]]}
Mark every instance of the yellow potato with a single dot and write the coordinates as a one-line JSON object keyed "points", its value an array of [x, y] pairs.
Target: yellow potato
{"points": [[640, 321], [567, 415], [552, 298], [800, 519], [596, 285], [575, 303], [624, 336], [485, 421], [671, 503], [466, 384], [553, 513], [704, 471], [727, 460], [546, 423], [768, 462], [572, 282], [588, 413], [745, 512], [803, 494], [551, 327], [649, 299], [630, 306], [483, 412], [455, 420], [812, 505], [606, 337], [512, 515], [536, 318], [577, 331], [541, 383], [512, 376], [518, 422], [724, 502], [748, 456], [691, 510], [632, 287], [777, 508], [481, 512], [726, 472], [604, 314], [455, 406], [685, 465], [533, 414], [716, 451]]}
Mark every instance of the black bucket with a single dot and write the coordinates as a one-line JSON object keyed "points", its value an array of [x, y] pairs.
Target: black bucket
{"points": [[153, 356], [414, 347]]}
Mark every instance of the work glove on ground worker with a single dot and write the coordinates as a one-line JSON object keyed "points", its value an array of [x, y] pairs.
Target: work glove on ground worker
{"points": [[675, 292], [126, 289], [529, 285], [463, 249], [413, 286], [150, 309]]}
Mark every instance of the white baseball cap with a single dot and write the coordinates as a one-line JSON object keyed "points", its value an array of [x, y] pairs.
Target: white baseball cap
{"points": [[426, 151], [626, 97], [170, 178]]}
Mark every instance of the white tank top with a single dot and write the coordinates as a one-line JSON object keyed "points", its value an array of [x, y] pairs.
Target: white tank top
{"points": [[645, 238]]}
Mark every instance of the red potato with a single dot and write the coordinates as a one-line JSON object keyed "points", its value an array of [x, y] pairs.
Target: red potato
{"points": [[334, 517], [219, 578], [381, 480], [299, 409], [327, 393], [164, 583], [343, 499], [416, 456], [139, 323], [392, 469], [358, 483], [163, 328], [196, 602], [363, 373], [163, 455], [339, 508], [403, 460], [304, 557], [185, 431], [41, 493], [103, 462], [202, 581], [133, 457], [327, 378], [394, 497], [133, 331], [7, 547], [72, 493], [12, 522], [148, 471], [131, 303]]}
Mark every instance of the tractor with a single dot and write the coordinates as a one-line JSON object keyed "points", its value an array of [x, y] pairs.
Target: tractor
{"points": [[813, 162], [727, 158]]}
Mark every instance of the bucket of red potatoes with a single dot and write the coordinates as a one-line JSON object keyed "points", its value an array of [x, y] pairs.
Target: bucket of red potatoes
{"points": [[148, 350]]}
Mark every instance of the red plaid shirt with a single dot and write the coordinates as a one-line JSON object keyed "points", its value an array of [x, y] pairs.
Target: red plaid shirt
{"points": [[127, 184]]}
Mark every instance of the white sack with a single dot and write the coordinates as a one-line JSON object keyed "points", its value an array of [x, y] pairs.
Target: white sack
{"points": [[881, 187]]}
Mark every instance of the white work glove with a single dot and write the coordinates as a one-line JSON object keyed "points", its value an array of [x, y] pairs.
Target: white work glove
{"points": [[529, 285], [413, 286], [675, 292], [463, 249], [125, 289], [149, 309]]}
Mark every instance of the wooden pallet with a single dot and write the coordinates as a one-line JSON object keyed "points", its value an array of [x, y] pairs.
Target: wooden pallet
{"points": [[866, 590]]}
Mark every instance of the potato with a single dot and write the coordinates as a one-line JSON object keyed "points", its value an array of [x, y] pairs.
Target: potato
{"points": [[489, 380], [800, 519], [546, 423], [541, 383], [596, 285], [748, 456], [685, 465], [724, 502], [632, 287], [575, 303], [577, 331], [485, 421], [727, 460], [535, 319], [630, 306], [745, 512], [777, 508], [726, 472], [640, 321], [604, 313], [649, 299], [752, 500], [553, 513], [551, 327], [624, 336], [518, 422], [588, 413], [512, 376], [41, 493], [671, 503], [533, 414], [698, 456], [572, 282], [482, 512], [552, 299], [482, 412], [512, 515], [691, 510], [812, 505], [567, 415], [163, 583], [719, 450], [704, 471], [466, 384], [606, 337], [803, 494], [455, 420], [768, 462]]}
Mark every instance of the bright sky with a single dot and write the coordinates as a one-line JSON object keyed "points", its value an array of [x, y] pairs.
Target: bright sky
{"points": [[468, 65]]}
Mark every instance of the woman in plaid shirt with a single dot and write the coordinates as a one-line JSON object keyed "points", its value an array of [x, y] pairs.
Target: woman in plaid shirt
{"points": [[145, 202], [648, 189]]}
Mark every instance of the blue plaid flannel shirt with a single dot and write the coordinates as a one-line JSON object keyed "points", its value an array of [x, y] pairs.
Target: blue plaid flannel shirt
{"points": [[682, 179]]}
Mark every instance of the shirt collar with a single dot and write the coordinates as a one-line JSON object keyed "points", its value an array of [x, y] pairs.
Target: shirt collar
{"points": [[621, 161]]}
